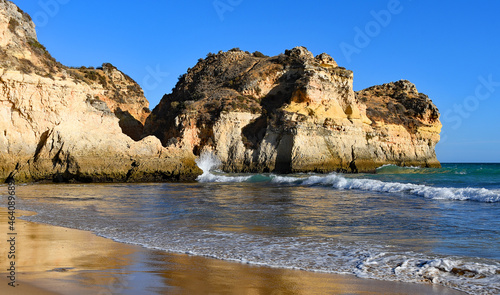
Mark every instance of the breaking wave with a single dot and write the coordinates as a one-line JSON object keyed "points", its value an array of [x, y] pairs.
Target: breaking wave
{"points": [[208, 162]]}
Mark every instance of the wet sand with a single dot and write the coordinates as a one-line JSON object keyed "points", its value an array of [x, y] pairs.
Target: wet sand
{"points": [[56, 260]]}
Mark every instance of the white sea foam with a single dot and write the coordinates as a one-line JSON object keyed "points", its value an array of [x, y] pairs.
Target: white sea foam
{"points": [[208, 162], [339, 181], [455, 272], [209, 177], [396, 167], [442, 193], [285, 179]]}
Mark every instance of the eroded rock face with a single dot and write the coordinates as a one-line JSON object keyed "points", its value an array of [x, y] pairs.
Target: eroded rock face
{"points": [[294, 113], [63, 124], [289, 113]]}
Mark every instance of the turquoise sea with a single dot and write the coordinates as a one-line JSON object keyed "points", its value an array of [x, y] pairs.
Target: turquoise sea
{"points": [[400, 224]]}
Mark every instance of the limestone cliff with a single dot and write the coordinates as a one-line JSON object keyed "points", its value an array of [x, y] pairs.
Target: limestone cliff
{"points": [[59, 123], [294, 113]]}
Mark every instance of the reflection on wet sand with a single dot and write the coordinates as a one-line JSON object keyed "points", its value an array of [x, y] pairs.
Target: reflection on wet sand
{"points": [[70, 261], [198, 275], [56, 258]]}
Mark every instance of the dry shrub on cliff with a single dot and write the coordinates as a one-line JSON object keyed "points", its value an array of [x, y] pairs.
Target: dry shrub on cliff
{"points": [[77, 77], [398, 103], [25, 66], [37, 47], [3, 54], [26, 16], [103, 81], [13, 24], [50, 62], [91, 75], [259, 54]]}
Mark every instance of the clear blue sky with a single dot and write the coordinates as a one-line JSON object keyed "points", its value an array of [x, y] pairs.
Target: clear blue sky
{"points": [[448, 49]]}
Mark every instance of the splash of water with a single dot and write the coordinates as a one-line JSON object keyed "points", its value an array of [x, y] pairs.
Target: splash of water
{"points": [[207, 161]]}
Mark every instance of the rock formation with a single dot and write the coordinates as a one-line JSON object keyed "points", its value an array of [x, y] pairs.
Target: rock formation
{"points": [[289, 113], [59, 123], [294, 113]]}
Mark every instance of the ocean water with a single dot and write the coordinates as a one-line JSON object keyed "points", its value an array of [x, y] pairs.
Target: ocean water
{"points": [[438, 226]]}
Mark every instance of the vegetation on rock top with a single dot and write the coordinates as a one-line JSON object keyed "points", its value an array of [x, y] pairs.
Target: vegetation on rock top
{"points": [[398, 103]]}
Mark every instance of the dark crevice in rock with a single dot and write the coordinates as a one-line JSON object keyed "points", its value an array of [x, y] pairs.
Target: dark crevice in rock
{"points": [[133, 168], [284, 154], [56, 160], [253, 133], [11, 177], [41, 144], [352, 165], [130, 126]]}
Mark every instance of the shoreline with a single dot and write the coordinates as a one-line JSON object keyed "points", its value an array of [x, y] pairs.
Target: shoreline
{"points": [[53, 260], [191, 177]]}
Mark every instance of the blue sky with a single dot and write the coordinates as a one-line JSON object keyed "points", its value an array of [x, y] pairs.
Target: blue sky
{"points": [[448, 49]]}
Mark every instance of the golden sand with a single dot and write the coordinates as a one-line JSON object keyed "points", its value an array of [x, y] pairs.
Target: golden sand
{"points": [[56, 260]]}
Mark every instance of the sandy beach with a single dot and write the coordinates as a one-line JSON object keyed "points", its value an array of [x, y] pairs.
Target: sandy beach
{"points": [[56, 260]]}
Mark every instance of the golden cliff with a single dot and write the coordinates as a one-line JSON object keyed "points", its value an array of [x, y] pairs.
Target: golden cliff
{"points": [[289, 113], [63, 124], [294, 113]]}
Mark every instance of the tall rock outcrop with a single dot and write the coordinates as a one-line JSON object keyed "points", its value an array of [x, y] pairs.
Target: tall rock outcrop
{"points": [[59, 123], [294, 113]]}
